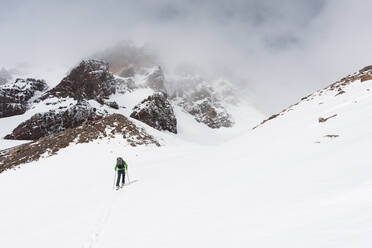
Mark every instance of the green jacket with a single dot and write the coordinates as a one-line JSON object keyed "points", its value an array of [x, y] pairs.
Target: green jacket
{"points": [[125, 167]]}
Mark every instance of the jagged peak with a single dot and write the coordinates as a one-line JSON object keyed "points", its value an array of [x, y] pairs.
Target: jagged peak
{"points": [[28, 83], [91, 79], [90, 65]]}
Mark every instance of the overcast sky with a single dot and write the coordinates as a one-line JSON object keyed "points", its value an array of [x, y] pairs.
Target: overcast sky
{"points": [[279, 50]]}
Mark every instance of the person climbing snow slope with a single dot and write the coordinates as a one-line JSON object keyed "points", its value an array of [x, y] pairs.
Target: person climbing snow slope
{"points": [[120, 167]]}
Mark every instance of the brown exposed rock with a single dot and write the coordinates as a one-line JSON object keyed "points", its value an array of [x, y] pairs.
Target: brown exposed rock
{"points": [[366, 78], [206, 113], [11, 109], [157, 112], [15, 97], [268, 119], [331, 136], [112, 104], [91, 79], [321, 119], [205, 101], [340, 92], [41, 125], [107, 127], [367, 68], [305, 97]]}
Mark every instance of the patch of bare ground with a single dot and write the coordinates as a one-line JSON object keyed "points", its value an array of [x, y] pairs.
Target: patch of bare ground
{"points": [[332, 136], [322, 119], [109, 127]]}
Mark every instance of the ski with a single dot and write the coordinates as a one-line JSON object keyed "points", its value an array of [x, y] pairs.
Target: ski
{"points": [[126, 184]]}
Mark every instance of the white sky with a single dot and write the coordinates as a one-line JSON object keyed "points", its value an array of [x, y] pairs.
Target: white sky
{"points": [[278, 50]]}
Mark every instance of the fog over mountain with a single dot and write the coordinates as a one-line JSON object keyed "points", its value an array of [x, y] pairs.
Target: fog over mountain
{"points": [[277, 51], [194, 123]]}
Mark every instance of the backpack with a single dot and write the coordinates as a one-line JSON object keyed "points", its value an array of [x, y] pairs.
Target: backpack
{"points": [[120, 163]]}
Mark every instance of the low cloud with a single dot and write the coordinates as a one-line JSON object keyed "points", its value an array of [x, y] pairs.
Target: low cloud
{"points": [[277, 51]]}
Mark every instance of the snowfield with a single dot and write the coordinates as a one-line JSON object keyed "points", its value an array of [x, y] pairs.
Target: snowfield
{"points": [[291, 182]]}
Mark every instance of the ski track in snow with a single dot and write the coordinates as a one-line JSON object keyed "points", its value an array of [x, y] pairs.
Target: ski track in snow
{"points": [[102, 221]]}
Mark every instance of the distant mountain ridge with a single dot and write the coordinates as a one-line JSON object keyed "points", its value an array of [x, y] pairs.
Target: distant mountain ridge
{"points": [[88, 92], [335, 89]]}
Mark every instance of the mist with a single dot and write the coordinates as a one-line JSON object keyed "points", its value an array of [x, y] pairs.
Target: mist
{"points": [[276, 51]]}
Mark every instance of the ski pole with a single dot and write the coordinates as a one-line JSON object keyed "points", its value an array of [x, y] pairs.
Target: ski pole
{"points": [[113, 186], [128, 176]]}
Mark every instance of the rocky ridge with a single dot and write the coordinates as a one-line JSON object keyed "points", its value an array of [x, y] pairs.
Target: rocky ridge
{"points": [[204, 100], [44, 124], [91, 79], [16, 98], [157, 112], [337, 88], [112, 126]]}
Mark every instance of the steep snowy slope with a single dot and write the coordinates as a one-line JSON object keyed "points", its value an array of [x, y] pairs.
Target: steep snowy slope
{"points": [[294, 181]]}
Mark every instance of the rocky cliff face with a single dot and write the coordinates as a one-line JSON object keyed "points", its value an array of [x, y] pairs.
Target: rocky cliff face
{"points": [[205, 101], [157, 112], [91, 79], [16, 97], [68, 104], [44, 124]]}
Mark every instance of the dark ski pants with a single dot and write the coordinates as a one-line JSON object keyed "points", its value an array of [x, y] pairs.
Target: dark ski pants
{"points": [[121, 173]]}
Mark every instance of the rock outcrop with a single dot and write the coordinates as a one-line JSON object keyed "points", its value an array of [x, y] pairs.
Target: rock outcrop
{"points": [[210, 113], [91, 79], [151, 77], [205, 101], [157, 112], [108, 127], [53, 121], [15, 97]]}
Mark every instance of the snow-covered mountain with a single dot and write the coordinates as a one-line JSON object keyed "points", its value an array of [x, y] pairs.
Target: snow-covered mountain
{"points": [[91, 92], [210, 100], [300, 178], [16, 98]]}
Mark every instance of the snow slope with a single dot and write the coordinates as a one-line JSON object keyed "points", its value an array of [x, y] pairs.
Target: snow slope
{"points": [[283, 184]]}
